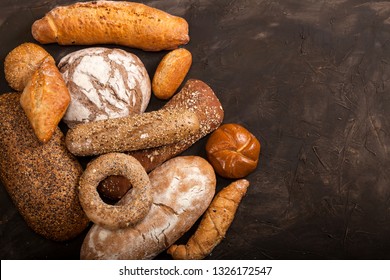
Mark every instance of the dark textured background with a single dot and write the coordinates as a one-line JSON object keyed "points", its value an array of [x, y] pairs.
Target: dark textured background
{"points": [[311, 80]]}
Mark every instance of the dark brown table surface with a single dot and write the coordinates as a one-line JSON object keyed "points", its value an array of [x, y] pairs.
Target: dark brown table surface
{"points": [[310, 79]]}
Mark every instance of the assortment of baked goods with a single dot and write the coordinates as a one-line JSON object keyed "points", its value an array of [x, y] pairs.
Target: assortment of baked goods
{"points": [[182, 189], [102, 94]]}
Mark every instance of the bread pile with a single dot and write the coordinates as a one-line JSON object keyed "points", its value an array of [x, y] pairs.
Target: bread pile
{"points": [[102, 95]]}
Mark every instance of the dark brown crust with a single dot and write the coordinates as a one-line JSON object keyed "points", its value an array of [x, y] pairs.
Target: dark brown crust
{"points": [[199, 98], [109, 22], [41, 179]]}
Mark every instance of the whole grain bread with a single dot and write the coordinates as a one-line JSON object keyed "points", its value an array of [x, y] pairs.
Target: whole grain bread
{"points": [[41, 179]]}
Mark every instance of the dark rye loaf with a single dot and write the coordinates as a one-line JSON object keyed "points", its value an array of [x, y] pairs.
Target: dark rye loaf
{"points": [[41, 179]]}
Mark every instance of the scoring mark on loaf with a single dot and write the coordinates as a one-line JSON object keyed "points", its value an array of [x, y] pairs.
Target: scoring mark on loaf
{"points": [[104, 83]]}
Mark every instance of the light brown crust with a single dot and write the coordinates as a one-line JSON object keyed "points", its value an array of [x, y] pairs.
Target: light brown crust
{"points": [[136, 132], [170, 73], [195, 96], [112, 22], [120, 215], [182, 189], [41, 179], [214, 224], [21, 63], [45, 99]]}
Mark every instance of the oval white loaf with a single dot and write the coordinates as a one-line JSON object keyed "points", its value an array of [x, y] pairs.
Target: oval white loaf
{"points": [[104, 83], [182, 189]]}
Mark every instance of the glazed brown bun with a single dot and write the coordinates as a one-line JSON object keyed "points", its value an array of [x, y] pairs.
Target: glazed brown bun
{"points": [[233, 151]]}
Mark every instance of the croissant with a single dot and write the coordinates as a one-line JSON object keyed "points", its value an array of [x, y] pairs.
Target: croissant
{"points": [[214, 224]]}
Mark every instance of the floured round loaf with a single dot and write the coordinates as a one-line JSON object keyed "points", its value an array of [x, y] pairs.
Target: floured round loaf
{"points": [[182, 189], [104, 83]]}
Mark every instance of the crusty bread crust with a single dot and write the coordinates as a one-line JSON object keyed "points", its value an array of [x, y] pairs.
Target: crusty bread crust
{"points": [[111, 22], [182, 189], [41, 179]]}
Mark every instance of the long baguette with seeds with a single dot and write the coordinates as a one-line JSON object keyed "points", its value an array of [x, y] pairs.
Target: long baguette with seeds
{"points": [[147, 130]]}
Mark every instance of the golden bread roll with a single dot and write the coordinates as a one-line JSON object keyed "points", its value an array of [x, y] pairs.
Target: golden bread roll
{"points": [[21, 63], [45, 99], [170, 73]]}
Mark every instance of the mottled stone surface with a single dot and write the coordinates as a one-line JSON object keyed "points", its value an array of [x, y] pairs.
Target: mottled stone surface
{"points": [[310, 79]]}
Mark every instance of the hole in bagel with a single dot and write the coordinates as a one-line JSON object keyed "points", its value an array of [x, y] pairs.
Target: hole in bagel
{"points": [[113, 188]]}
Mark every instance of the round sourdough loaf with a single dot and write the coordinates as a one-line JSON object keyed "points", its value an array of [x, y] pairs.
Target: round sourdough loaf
{"points": [[104, 83]]}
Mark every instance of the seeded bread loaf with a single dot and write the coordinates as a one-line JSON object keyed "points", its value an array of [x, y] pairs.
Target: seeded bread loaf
{"points": [[41, 179], [141, 131]]}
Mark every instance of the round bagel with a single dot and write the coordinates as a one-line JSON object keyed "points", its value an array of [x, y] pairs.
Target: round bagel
{"points": [[132, 208]]}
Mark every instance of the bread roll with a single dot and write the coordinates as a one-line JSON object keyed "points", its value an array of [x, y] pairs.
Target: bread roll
{"points": [[195, 96], [233, 151], [112, 22], [22, 62], [170, 73], [45, 99], [41, 179], [182, 189], [104, 84]]}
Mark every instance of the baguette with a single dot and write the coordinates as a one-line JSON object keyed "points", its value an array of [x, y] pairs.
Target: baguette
{"points": [[140, 131], [112, 22], [182, 189], [41, 179], [214, 224], [195, 96]]}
